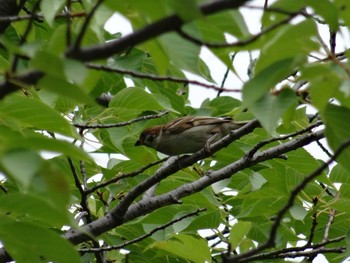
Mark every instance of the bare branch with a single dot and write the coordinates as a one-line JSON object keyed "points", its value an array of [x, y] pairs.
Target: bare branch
{"points": [[281, 138], [83, 202], [122, 176], [127, 243], [331, 217], [120, 124], [159, 78], [314, 223]]}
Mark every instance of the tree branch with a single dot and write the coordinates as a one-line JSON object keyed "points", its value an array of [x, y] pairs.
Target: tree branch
{"points": [[159, 78], [9, 8], [167, 24], [125, 211], [143, 207], [105, 50], [119, 124], [85, 26], [156, 229], [271, 240], [240, 42]]}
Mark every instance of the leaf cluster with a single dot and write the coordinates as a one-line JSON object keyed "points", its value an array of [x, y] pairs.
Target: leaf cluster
{"points": [[74, 98]]}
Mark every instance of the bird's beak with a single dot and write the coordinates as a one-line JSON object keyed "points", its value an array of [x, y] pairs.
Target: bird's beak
{"points": [[138, 143]]}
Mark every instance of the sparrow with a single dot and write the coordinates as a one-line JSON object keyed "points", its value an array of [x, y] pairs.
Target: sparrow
{"points": [[187, 134]]}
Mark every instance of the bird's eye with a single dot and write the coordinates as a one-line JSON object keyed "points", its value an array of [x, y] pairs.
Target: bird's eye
{"points": [[150, 137]]}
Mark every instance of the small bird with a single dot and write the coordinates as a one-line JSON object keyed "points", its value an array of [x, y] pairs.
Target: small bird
{"points": [[187, 134]]}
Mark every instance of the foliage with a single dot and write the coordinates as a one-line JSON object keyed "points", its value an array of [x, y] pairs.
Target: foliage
{"points": [[258, 194]]}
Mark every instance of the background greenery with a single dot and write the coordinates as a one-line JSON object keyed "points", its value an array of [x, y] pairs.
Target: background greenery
{"points": [[257, 196]]}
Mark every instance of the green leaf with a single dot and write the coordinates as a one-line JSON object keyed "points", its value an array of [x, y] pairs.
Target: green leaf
{"points": [[51, 184], [298, 212], [231, 22], [270, 108], [56, 45], [325, 82], [142, 155], [279, 47], [339, 175], [33, 208], [75, 71], [186, 57], [223, 105], [133, 60], [238, 233], [28, 243], [137, 10], [64, 89], [50, 8], [256, 88], [49, 63], [186, 9], [22, 165], [327, 10], [4, 64], [337, 131], [341, 205], [32, 113], [257, 181], [344, 12], [126, 100], [10, 139], [158, 55], [184, 247], [208, 220], [213, 28]]}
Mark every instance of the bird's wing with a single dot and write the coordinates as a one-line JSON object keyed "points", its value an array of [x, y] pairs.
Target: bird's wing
{"points": [[184, 123]]}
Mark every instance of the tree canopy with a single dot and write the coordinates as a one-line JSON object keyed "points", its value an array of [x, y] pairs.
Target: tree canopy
{"points": [[73, 93]]}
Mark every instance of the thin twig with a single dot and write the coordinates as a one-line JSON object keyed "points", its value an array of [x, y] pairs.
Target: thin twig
{"points": [[24, 36], [332, 40], [85, 207], [225, 76], [240, 42], [273, 232], [83, 201], [86, 25], [332, 56], [4, 189], [266, 4], [123, 175], [69, 23], [38, 16], [330, 221], [324, 149], [314, 223], [281, 138], [127, 243], [83, 173], [292, 251], [119, 124], [158, 78]]}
